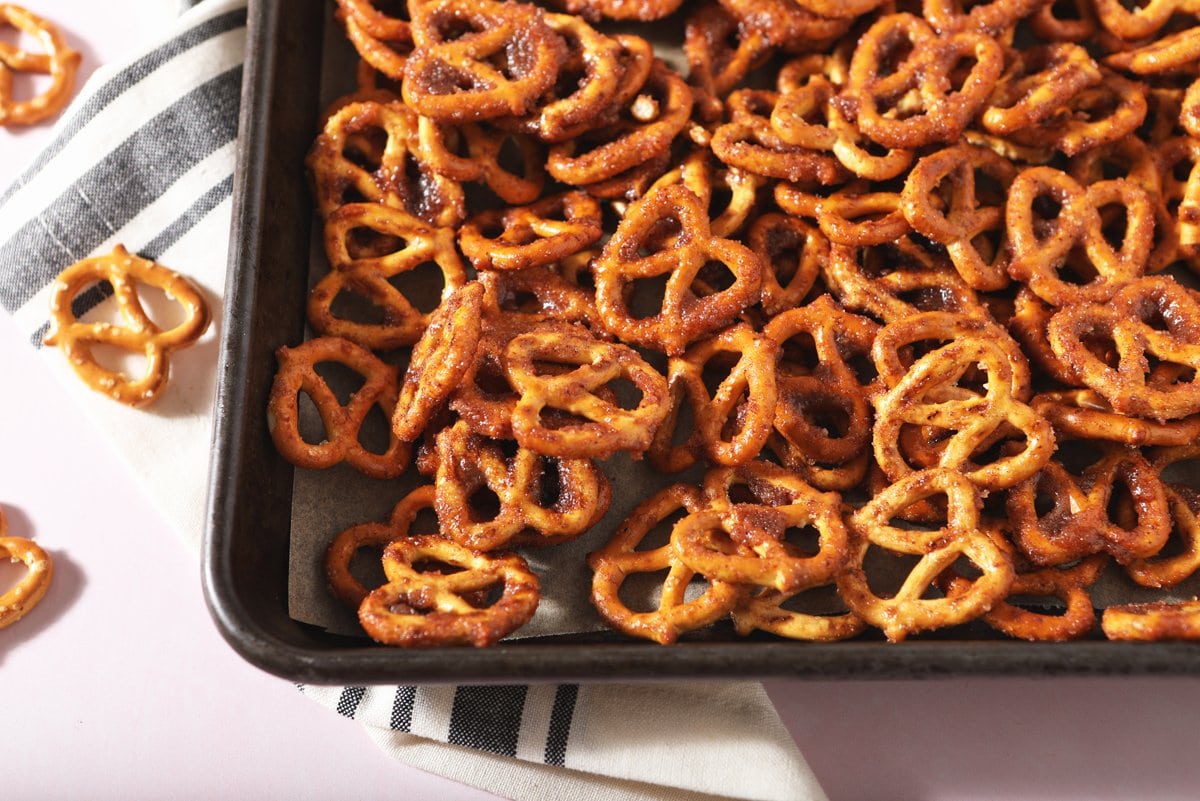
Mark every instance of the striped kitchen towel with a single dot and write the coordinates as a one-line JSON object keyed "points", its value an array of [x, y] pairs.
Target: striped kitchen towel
{"points": [[144, 157]]}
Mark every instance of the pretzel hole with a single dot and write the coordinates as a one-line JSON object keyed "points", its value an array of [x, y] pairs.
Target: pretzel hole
{"points": [[433, 566], [366, 565], [365, 242], [626, 393], [827, 415], [12, 572], [1047, 605], [887, 570], [350, 303], [959, 70], [819, 601], [1122, 507], [483, 505], [439, 78], [803, 541], [365, 148], [647, 296], [118, 360], [550, 487], [491, 380], [932, 298], [1046, 210], [659, 535], [344, 381], [895, 49], [451, 25], [374, 435], [641, 592], [799, 355], [422, 285]]}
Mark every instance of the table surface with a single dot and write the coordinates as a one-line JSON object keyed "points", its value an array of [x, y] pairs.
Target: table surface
{"points": [[118, 684]]}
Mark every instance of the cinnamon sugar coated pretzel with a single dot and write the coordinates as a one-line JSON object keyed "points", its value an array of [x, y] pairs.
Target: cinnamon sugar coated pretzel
{"points": [[901, 296]]}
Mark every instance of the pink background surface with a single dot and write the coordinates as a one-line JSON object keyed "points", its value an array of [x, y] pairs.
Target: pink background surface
{"points": [[118, 685]]}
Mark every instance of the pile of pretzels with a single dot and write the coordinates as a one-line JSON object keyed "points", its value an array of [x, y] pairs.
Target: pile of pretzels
{"points": [[901, 291]]}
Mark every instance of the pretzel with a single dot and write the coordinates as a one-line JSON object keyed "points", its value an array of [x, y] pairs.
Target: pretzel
{"points": [[621, 556], [604, 426], [382, 41], [733, 422], [745, 544], [647, 125], [1154, 621], [788, 24], [960, 219], [426, 607], [136, 333], [480, 59], [1078, 24], [685, 316], [342, 548], [1096, 116], [792, 253], [349, 164], [751, 142], [342, 422], [1168, 54], [1139, 22], [1084, 414], [481, 147], [930, 394], [1150, 317], [19, 599], [1080, 522], [830, 455], [545, 232], [59, 62], [720, 54], [485, 397], [942, 113], [729, 193], [992, 18], [467, 464], [395, 246], [442, 357], [1069, 585], [1171, 570], [644, 10], [1041, 248], [1027, 324], [592, 73], [908, 611], [1041, 81]]}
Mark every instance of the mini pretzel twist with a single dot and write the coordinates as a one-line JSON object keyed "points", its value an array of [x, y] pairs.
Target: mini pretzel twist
{"points": [[1084, 414], [59, 62], [29, 590], [544, 232], [467, 464], [1152, 622], [424, 607], [397, 245], [732, 423], [1043, 79], [442, 357], [823, 417], [479, 60], [752, 141], [1172, 569], [792, 254], [382, 41], [479, 160], [720, 53], [959, 219], [604, 426], [342, 423], [1093, 117], [930, 394], [909, 611], [1150, 318], [697, 172], [136, 333], [621, 557], [1041, 248], [1080, 523], [685, 314]]}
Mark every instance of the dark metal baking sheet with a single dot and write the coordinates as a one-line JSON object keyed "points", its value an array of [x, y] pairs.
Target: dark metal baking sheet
{"points": [[245, 553]]}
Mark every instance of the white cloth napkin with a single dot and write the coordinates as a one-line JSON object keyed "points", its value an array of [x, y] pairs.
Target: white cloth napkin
{"points": [[144, 157]]}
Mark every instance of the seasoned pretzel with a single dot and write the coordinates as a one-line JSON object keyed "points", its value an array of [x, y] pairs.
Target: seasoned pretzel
{"points": [[1139, 22], [605, 426], [941, 112], [673, 614], [480, 59], [342, 548], [1171, 570], [765, 610], [59, 62], [823, 418], [472, 151], [960, 218], [1084, 414], [992, 18], [1096, 116], [1152, 622], [382, 41], [349, 163], [750, 141], [787, 24], [792, 254], [1027, 324], [368, 245], [1078, 24], [720, 53], [1043, 79], [136, 333], [647, 125], [467, 464], [930, 394], [1080, 522], [730, 190], [545, 232], [731, 424], [536, 295], [745, 543], [908, 611], [1041, 248], [426, 607], [31, 588], [342, 422], [1175, 51], [685, 315], [1152, 317], [442, 357]]}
